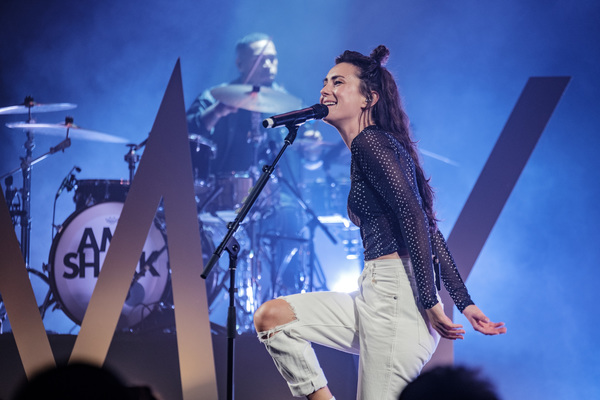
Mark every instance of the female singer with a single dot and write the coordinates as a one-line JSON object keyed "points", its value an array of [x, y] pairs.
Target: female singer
{"points": [[395, 320]]}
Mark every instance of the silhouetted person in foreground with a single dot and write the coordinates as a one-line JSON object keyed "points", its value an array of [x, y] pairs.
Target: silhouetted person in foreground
{"points": [[79, 381], [450, 383]]}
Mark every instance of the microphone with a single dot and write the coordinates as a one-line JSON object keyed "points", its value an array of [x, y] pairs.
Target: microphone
{"points": [[318, 111], [68, 181]]}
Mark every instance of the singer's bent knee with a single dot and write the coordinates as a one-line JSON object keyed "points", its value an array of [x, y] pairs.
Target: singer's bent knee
{"points": [[272, 314]]}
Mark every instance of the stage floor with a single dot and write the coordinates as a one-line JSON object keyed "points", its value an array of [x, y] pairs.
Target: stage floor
{"points": [[151, 360]]}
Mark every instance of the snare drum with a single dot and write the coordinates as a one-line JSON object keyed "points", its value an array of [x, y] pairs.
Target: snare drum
{"points": [[94, 191], [77, 255]]}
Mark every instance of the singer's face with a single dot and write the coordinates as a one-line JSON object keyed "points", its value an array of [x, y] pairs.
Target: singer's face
{"points": [[266, 64], [342, 94]]}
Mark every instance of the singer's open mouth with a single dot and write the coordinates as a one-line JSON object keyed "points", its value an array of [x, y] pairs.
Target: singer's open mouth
{"points": [[329, 103]]}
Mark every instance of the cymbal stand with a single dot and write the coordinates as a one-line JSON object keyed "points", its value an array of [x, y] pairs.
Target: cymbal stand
{"points": [[26, 193], [232, 227], [25, 220], [131, 158], [26, 163]]}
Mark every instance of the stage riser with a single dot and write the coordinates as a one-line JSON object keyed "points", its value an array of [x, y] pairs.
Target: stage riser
{"points": [[152, 360]]}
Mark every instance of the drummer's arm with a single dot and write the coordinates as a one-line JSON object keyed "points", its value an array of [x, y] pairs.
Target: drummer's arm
{"points": [[212, 114], [205, 112]]}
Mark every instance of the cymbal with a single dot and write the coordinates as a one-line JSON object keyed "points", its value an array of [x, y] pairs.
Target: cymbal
{"points": [[61, 129], [36, 107], [256, 98]]}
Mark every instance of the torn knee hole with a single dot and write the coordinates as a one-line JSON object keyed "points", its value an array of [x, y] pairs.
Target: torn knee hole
{"points": [[269, 334]]}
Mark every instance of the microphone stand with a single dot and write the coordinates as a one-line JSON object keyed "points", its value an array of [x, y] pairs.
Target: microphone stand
{"points": [[230, 244]]}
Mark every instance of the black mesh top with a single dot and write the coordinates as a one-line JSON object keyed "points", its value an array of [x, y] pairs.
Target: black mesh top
{"points": [[384, 202]]}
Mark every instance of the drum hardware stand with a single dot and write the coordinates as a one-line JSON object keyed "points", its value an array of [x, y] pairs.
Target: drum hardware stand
{"points": [[152, 307], [278, 267], [211, 197], [131, 158], [10, 193], [48, 299], [150, 260], [26, 163], [312, 225], [232, 247], [24, 213], [2, 313], [21, 213], [67, 183]]}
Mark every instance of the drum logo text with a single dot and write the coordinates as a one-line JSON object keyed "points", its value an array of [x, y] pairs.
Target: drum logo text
{"points": [[78, 262]]}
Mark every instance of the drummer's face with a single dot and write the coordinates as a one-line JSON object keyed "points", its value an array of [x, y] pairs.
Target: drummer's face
{"points": [[266, 69]]}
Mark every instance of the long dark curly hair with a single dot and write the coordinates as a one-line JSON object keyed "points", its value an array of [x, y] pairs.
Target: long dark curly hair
{"points": [[388, 113]]}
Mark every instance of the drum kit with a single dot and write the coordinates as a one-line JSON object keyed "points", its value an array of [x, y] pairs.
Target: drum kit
{"points": [[270, 262]]}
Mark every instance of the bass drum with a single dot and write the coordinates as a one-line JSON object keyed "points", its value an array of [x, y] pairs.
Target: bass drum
{"points": [[89, 192], [77, 255]]}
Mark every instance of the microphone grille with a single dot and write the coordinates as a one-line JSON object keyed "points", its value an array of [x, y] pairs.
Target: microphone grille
{"points": [[321, 111]]}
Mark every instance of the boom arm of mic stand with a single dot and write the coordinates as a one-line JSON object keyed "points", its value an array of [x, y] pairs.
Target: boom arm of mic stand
{"points": [[250, 200]]}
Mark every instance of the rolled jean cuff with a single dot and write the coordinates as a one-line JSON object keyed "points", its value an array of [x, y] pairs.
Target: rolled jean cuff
{"points": [[305, 388]]}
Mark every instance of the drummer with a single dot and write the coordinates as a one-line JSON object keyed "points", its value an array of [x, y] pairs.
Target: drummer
{"points": [[242, 144], [238, 134]]}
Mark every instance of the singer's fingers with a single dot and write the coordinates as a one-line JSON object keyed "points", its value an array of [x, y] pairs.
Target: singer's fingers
{"points": [[490, 328]]}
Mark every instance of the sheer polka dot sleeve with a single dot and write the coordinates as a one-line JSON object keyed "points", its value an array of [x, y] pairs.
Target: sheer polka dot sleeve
{"points": [[449, 273]]}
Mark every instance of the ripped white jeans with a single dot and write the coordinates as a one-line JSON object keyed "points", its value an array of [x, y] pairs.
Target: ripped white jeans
{"points": [[382, 322]]}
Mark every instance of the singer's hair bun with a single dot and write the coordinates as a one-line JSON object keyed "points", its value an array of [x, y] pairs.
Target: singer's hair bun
{"points": [[380, 54]]}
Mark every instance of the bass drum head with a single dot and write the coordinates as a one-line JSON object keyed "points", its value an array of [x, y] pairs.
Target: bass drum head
{"points": [[77, 255]]}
